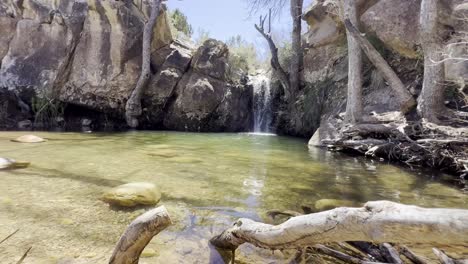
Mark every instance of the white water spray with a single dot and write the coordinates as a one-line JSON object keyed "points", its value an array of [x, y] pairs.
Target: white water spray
{"points": [[262, 102]]}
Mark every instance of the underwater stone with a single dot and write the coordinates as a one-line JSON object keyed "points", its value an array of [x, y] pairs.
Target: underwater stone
{"points": [[6, 163], [329, 204], [133, 194], [29, 139]]}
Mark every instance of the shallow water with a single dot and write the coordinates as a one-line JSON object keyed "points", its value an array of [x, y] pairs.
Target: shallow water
{"points": [[207, 180]]}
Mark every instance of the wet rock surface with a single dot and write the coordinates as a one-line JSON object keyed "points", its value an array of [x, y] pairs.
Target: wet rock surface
{"points": [[133, 194]]}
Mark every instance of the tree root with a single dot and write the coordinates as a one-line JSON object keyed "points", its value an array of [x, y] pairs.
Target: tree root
{"points": [[417, 144]]}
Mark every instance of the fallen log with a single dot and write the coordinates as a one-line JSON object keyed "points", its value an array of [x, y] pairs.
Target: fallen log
{"points": [[378, 222], [406, 99], [390, 254], [341, 256], [138, 234], [411, 255]]}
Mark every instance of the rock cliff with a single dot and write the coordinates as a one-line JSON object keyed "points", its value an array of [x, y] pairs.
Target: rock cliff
{"points": [[86, 56], [392, 27]]}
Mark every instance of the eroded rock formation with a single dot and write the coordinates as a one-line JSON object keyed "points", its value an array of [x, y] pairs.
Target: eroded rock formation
{"points": [[87, 55], [392, 27]]}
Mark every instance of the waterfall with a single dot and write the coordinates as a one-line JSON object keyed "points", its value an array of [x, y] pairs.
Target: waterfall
{"points": [[262, 102]]}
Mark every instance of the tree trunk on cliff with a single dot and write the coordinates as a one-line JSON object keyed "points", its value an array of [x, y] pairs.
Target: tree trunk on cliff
{"points": [[275, 64], [377, 222], [431, 99], [354, 105], [406, 99], [133, 107], [297, 53]]}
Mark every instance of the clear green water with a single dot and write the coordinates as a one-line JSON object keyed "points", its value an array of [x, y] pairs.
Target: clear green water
{"points": [[207, 180]]}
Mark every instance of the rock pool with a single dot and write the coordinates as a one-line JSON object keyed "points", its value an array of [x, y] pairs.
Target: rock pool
{"points": [[207, 181]]}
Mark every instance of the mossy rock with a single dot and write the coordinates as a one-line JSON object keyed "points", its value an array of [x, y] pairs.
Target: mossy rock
{"points": [[133, 194], [329, 204], [28, 139]]}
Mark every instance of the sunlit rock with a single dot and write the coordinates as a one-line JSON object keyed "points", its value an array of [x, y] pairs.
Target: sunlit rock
{"points": [[29, 139], [12, 164], [329, 204], [133, 194], [148, 253]]}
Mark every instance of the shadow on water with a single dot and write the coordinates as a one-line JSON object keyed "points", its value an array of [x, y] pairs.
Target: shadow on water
{"points": [[55, 173]]}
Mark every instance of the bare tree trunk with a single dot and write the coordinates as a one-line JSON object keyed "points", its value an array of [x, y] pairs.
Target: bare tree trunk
{"points": [[354, 105], [406, 99], [431, 99], [133, 107], [376, 222], [297, 53], [138, 234], [275, 64]]}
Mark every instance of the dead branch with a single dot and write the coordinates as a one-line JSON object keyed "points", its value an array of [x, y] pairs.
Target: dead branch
{"points": [[275, 64], [378, 222], [406, 99], [10, 235], [390, 253], [138, 234], [443, 258], [340, 255], [411, 256], [24, 256]]}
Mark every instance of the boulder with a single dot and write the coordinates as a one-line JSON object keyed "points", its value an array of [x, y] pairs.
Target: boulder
{"points": [[205, 100], [25, 124], [162, 86], [8, 164], [211, 59], [396, 24], [12, 109], [29, 139], [133, 194]]}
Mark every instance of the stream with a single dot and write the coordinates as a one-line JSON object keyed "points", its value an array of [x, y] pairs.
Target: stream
{"points": [[207, 181]]}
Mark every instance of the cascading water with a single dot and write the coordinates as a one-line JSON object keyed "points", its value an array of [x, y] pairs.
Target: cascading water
{"points": [[262, 102]]}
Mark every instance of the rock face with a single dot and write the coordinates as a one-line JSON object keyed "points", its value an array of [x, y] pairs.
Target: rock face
{"points": [[133, 194], [209, 102], [87, 54], [392, 27]]}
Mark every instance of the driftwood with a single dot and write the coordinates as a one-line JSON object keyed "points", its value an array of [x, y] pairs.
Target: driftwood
{"points": [[406, 99], [418, 144], [341, 256], [24, 256], [378, 222], [10, 235], [411, 256], [390, 253], [138, 234]]}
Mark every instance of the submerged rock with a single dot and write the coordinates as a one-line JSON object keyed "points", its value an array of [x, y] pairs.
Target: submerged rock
{"points": [[329, 204], [29, 139], [133, 194], [6, 163]]}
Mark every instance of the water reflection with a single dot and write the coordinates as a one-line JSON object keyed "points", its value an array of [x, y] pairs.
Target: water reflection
{"points": [[207, 180]]}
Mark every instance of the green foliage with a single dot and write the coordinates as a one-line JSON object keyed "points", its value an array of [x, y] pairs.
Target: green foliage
{"points": [[243, 56], [46, 111], [202, 36], [180, 24], [285, 54]]}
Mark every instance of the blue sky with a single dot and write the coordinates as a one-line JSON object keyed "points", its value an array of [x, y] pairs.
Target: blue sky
{"points": [[226, 18]]}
